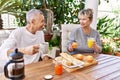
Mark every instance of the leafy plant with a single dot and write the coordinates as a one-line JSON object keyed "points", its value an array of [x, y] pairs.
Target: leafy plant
{"points": [[65, 11], [9, 7], [55, 41], [109, 29], [104, 26], [106, 48]]}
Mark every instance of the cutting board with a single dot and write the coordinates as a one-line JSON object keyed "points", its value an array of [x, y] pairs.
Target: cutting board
{"points": [[86, 64]]}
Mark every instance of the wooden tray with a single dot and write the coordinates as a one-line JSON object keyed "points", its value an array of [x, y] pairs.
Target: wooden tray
{"points": [[86, 64]]}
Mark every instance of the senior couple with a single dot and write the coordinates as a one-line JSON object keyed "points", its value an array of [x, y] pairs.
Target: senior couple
{"points": [[28, 38]]}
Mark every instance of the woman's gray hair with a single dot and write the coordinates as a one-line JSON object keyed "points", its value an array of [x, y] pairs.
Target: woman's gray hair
{"points": [[32, 14], [88, 12]]}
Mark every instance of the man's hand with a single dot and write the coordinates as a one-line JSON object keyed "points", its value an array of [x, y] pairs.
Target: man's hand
{"points": [[45, 58], [30, 50]]}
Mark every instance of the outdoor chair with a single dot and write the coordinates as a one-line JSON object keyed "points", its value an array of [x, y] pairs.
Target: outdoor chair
{"points": [[65, 33]]}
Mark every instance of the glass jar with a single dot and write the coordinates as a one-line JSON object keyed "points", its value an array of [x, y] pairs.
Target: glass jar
{"points": [[58, 68]]}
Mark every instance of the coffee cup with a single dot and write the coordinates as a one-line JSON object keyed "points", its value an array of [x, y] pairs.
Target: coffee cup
{"points": [[44, 47]]}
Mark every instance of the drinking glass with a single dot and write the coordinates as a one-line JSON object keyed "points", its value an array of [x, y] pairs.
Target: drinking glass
{"points": [[90, 42]]}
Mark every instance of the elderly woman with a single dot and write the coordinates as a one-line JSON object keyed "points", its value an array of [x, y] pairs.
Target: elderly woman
{"points": [[80, 35]]}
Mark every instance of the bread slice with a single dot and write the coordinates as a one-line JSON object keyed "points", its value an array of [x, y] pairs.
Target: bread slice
{"points": [[71, 59]]}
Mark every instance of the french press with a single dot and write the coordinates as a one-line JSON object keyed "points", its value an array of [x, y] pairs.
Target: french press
{"points": [[14, 68]]}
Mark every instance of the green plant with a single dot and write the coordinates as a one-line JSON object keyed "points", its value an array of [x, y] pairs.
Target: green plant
{"points": [[55, 41], [106, 48], [65, 11], [9, 7], [104, 26], [109, 29]]}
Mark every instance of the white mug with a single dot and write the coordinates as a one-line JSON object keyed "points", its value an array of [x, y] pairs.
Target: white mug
{"points": [[44, 47]]}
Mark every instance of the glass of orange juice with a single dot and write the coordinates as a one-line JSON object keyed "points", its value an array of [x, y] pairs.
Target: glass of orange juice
{"points": [[58, 68], [90, 42]]}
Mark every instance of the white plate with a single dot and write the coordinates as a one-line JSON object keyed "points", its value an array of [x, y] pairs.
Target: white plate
{"points": [[61, 59], [74, 66], [72, 59]]}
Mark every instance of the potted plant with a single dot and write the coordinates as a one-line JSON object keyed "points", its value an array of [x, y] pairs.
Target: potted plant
{"points": [[117, 52], [107, 49], [109, 32], [55, 41]]}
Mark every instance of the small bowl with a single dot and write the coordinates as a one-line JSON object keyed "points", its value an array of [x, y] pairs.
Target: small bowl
{"points": [[48, 77]]}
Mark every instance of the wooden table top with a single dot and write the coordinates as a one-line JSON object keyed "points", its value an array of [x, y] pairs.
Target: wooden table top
{"points": [[108, 68]]}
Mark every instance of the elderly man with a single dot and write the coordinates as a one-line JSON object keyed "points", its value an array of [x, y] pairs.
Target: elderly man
{"points": [[26, 39]]}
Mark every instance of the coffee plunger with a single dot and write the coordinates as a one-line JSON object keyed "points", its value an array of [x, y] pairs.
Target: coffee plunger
{"points": [[14, 68]]}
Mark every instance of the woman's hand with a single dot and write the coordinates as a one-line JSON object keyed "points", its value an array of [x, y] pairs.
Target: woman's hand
{"points": [[95, 47], [70, 48]]}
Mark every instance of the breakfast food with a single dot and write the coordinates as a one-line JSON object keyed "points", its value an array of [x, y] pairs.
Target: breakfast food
{"points": [[80, 56], [59, 59], [74, 45], [71, 59], [89, 58], [69, 64], [75, 61]]}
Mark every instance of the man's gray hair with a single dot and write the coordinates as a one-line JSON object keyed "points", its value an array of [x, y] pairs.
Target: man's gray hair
{"points": [[32, 14]]}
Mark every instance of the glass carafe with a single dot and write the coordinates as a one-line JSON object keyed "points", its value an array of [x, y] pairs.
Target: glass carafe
{"points": [[14, 68]]}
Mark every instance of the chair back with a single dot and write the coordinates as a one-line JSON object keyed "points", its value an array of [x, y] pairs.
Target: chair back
{"points": [[65, 33]]}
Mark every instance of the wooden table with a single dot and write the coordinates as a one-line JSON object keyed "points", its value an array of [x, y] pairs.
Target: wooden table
{"points": [[108, 68]]}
